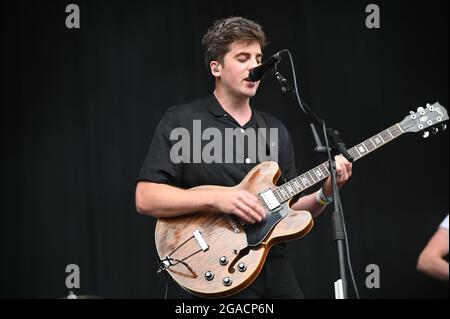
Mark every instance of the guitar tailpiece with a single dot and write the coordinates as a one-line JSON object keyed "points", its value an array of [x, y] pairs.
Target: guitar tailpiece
{"points": [[166, 263]]}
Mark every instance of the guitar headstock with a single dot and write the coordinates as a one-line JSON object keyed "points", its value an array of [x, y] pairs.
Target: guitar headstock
{"points": [[425, 119]]}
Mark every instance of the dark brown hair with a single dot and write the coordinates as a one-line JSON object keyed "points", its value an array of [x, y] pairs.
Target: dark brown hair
{"points": [[223, 32]]}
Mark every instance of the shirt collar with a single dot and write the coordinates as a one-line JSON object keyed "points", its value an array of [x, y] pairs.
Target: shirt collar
{"points": [[214, 106]]}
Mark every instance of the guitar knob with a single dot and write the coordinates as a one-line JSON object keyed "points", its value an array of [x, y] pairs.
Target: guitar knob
{"points": [[443, 127], [242, 267], [227, 281], [223, 260], [434, 130], [425, 134], [209, 275]]}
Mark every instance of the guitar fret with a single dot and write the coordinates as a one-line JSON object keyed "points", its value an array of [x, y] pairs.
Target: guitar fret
{"points": [[299, 180], [368, 146], [314, 175], [312, 178], [373, 143], [377, 140], [289, 188], [283, 192], [389, 131], [324, 170], [387, 136], [297, 183], [305, 180], [276, 192], [400, 130], [318, 173], [361, 149], [295, 187], [397, 130], [354, 153]]}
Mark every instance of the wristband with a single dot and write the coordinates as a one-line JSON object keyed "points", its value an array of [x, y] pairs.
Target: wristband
{"points": [[322, 199]]}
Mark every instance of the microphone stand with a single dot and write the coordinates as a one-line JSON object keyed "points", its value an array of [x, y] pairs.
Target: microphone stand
{"points": [[335, 145]]}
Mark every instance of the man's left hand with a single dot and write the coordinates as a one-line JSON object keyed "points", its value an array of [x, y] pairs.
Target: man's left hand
{"points": [[343, 173]]}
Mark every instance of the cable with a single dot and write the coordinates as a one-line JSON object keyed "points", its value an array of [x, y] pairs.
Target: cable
{"points": [[161, 268]]}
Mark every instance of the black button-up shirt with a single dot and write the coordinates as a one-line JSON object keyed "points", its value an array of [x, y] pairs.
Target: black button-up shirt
{"points": [[189, 168]]}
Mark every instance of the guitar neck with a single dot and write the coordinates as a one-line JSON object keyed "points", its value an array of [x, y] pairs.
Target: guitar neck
{"points": [[320, 172]]}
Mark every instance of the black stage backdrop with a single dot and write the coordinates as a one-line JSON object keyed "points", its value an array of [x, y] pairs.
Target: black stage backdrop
{"points": [[79, 107]]}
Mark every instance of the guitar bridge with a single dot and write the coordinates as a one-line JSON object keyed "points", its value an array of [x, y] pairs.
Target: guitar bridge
{"points": [[201, 242]]}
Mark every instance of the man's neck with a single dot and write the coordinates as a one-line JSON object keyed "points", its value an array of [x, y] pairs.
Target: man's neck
{"points": [[238, 108]]}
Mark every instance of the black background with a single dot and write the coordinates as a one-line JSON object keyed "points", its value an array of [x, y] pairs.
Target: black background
{"points": [[79, 107]]}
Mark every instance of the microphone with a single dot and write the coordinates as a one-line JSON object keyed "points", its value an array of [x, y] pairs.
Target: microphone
{"points": [[258, 72]]}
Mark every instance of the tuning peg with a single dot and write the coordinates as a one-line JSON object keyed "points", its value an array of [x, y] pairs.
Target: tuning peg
{"points": [[434, 130], [421, 110], [411, 112], [443, 126], [425, 134], [428, 104]]}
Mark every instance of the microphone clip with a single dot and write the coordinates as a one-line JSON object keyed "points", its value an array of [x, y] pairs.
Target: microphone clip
{"points": [[285, 87]]}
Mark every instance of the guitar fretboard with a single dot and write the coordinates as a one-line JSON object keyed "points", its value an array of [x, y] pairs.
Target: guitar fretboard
{"points": [[320, 172]]}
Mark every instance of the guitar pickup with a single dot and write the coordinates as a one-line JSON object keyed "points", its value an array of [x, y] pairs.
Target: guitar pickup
{"points": [[269, 198], [201, 242]]}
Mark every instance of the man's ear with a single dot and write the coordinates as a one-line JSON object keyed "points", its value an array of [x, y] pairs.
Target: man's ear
{"points": [[215, 68]]}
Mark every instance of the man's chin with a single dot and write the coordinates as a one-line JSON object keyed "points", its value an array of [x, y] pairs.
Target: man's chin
{"points": [[249, 93]]}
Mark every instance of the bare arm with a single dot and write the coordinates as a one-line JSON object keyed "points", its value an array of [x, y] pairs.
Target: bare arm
{"points": [[161, 200], [309, 202], [431, 259]]}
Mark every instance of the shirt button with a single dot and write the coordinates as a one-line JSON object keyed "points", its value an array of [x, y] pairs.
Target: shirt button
{"points": [[247, 160]]}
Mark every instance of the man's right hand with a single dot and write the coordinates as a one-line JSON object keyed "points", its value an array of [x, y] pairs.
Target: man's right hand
{"points": [[240, 203]]}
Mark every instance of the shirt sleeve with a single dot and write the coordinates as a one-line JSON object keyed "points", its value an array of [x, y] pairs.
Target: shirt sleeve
{"points": [[158, 166]]}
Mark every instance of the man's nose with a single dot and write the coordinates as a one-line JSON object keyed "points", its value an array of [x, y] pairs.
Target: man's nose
{"points": [[253, 64]]}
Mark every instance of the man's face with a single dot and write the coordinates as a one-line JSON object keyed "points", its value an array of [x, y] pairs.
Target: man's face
{"points": [[242, 57]]}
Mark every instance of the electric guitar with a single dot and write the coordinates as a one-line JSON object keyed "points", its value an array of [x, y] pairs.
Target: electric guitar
{"points": [[215, 255]]}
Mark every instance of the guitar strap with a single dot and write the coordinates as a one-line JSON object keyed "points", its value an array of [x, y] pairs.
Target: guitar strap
{"points": [[261, 122]]}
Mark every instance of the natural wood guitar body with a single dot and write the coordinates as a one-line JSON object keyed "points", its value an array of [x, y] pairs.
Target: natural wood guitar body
{"points": [[226, 238]]}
